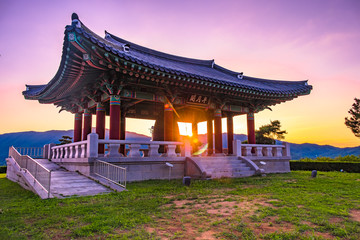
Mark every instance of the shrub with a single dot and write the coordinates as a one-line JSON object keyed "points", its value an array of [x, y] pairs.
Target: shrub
{"points": [[3, 169], [325, 166], [348, 158]]}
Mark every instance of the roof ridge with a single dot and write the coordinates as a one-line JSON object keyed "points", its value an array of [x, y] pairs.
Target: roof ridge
{"points": [[117, 40]]}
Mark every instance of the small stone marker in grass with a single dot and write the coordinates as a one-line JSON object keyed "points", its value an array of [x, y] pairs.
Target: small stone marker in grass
{"points": [[187, 181], [313, 173]]}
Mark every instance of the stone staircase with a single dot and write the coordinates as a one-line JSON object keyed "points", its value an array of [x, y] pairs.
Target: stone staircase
{"points": [[65, 183], [224, 166]]}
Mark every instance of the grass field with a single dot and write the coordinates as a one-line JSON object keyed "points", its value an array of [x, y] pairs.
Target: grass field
{"points": [[279, 206]]}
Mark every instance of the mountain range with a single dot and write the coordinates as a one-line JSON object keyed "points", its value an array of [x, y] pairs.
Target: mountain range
{"points": [[39, 139]]}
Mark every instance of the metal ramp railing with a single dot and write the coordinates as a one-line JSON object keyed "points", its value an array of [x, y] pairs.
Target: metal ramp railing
{"points": [[110, 172], [39, 173]]}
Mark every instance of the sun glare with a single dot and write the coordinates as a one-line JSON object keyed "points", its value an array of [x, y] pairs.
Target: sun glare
{"points": [[185, 129]]}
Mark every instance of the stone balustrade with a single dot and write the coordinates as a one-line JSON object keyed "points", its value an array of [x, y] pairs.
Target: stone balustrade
{"points": [[89, 148], [261, 150], [71, 150]]}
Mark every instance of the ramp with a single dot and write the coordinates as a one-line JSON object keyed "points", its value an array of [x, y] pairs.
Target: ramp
{"points": [[65, 183]]}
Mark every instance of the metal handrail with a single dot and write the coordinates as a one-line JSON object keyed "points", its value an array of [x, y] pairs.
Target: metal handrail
{"points": [[39, 173], [110, 172]]}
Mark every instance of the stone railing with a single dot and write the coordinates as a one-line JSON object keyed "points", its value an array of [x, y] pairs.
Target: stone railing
{"points": [[71, 150], [260, 150], [89, 148], [33, 152]]}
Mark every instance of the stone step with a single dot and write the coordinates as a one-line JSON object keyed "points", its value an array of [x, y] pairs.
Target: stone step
{"points": [[207, 165], [225, 166], [228, 169], [232, 174]]}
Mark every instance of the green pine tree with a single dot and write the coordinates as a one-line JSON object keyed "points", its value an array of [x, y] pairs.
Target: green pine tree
{"points": [[268, 133], [354, 121]]}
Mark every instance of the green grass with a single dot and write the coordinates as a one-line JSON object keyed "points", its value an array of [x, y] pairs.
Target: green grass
{"points": [[309, 206]]}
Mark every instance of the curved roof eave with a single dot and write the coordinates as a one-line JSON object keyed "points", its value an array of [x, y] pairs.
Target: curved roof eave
{"points": [[181, 66]]}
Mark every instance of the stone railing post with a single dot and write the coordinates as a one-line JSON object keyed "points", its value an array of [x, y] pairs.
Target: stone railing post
{"points": [[92, 145], [50, 150], [46, 151], [286, 150], [237, 148]]}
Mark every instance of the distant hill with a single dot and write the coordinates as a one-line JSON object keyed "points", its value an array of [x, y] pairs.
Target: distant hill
{"points": [[39, 139]]}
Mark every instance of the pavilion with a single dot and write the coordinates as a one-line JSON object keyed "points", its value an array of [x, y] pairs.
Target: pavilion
{"points": [[114, 77]]}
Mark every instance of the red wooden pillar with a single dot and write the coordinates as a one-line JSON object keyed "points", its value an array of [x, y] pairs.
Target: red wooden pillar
{"points": [[122, 131], [115, 117], [210, 137], [77, 127], [230, 133], [251, 128], [168, 122], [100, 124], [195, 137], [87, 123], [218, 131]]}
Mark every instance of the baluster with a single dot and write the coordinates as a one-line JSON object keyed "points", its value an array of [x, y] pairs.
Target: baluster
{"points": [[60, 152], [83, 150], [171, 150], [267, 151], [277, 151], [71, 155], [154, 150], [246, 151], [113, 150], [258, 150], [134, 150], [66, 152]]}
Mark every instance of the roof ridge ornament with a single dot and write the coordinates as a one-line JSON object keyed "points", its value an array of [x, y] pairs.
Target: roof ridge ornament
{"points": [[240, 75], [75, 20], [213, 63], [126, 47]]}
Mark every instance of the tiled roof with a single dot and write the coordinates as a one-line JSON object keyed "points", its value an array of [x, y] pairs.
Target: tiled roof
{"points": [[205, 71]]}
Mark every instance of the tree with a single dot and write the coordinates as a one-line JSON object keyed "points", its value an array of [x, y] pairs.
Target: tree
{"points": [[65, 140], [268, 133], [354, 121]]}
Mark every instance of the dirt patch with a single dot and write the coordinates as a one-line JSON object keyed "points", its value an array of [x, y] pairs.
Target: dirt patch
{"points": [[270, 225], [209, 235], [206, 218], [335, 220], [355, 214], [310, 224], [320, 234]]}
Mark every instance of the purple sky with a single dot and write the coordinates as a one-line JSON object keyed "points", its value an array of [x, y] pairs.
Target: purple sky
{"points": [[292, 40]]}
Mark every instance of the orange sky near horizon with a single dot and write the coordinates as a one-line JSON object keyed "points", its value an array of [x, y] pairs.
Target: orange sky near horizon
{"points": [[290, 40]]}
